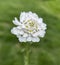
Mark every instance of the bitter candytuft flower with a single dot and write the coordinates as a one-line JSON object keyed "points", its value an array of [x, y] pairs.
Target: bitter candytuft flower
{"points": [[30, 28]]}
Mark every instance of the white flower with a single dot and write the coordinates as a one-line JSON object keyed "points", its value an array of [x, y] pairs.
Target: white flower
{"points": [[30, 28]]}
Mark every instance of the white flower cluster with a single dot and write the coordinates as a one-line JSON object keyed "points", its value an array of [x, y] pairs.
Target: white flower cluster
{"points": [[30, 28]]}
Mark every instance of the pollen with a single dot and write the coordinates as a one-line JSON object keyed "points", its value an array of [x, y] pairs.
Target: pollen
{"points": [[26, 26], [30, 31]]}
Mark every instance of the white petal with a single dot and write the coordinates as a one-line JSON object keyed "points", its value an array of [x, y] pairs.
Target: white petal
{"points": [[23, 26], [25, 35], [22, 39], [40, 20], [19, 27], [29, 38], [15, 31], [42, 33], [16, 22], [35, 15], [18, 36], [22, 16], [21, 32], [43, 26], [30, 13], [35, 39], [32, 16], [35, 34]]}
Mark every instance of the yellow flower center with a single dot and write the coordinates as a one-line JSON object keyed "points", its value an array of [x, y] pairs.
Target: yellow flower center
{"points": [[31, 26]]}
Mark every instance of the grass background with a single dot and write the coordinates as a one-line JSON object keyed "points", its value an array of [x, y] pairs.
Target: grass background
{"points": [[47, 51]]}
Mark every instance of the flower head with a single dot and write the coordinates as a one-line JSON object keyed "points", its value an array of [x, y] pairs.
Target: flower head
{"points": [[30, 28]]}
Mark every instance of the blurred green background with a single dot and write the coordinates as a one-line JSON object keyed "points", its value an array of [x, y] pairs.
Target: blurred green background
{"points": [[47, 51]]}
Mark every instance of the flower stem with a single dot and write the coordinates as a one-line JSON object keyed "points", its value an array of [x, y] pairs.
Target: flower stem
{"points": [[26, 55]]}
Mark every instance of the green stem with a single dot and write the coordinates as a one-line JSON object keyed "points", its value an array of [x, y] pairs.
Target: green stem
{"points": [[26, 56]]}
